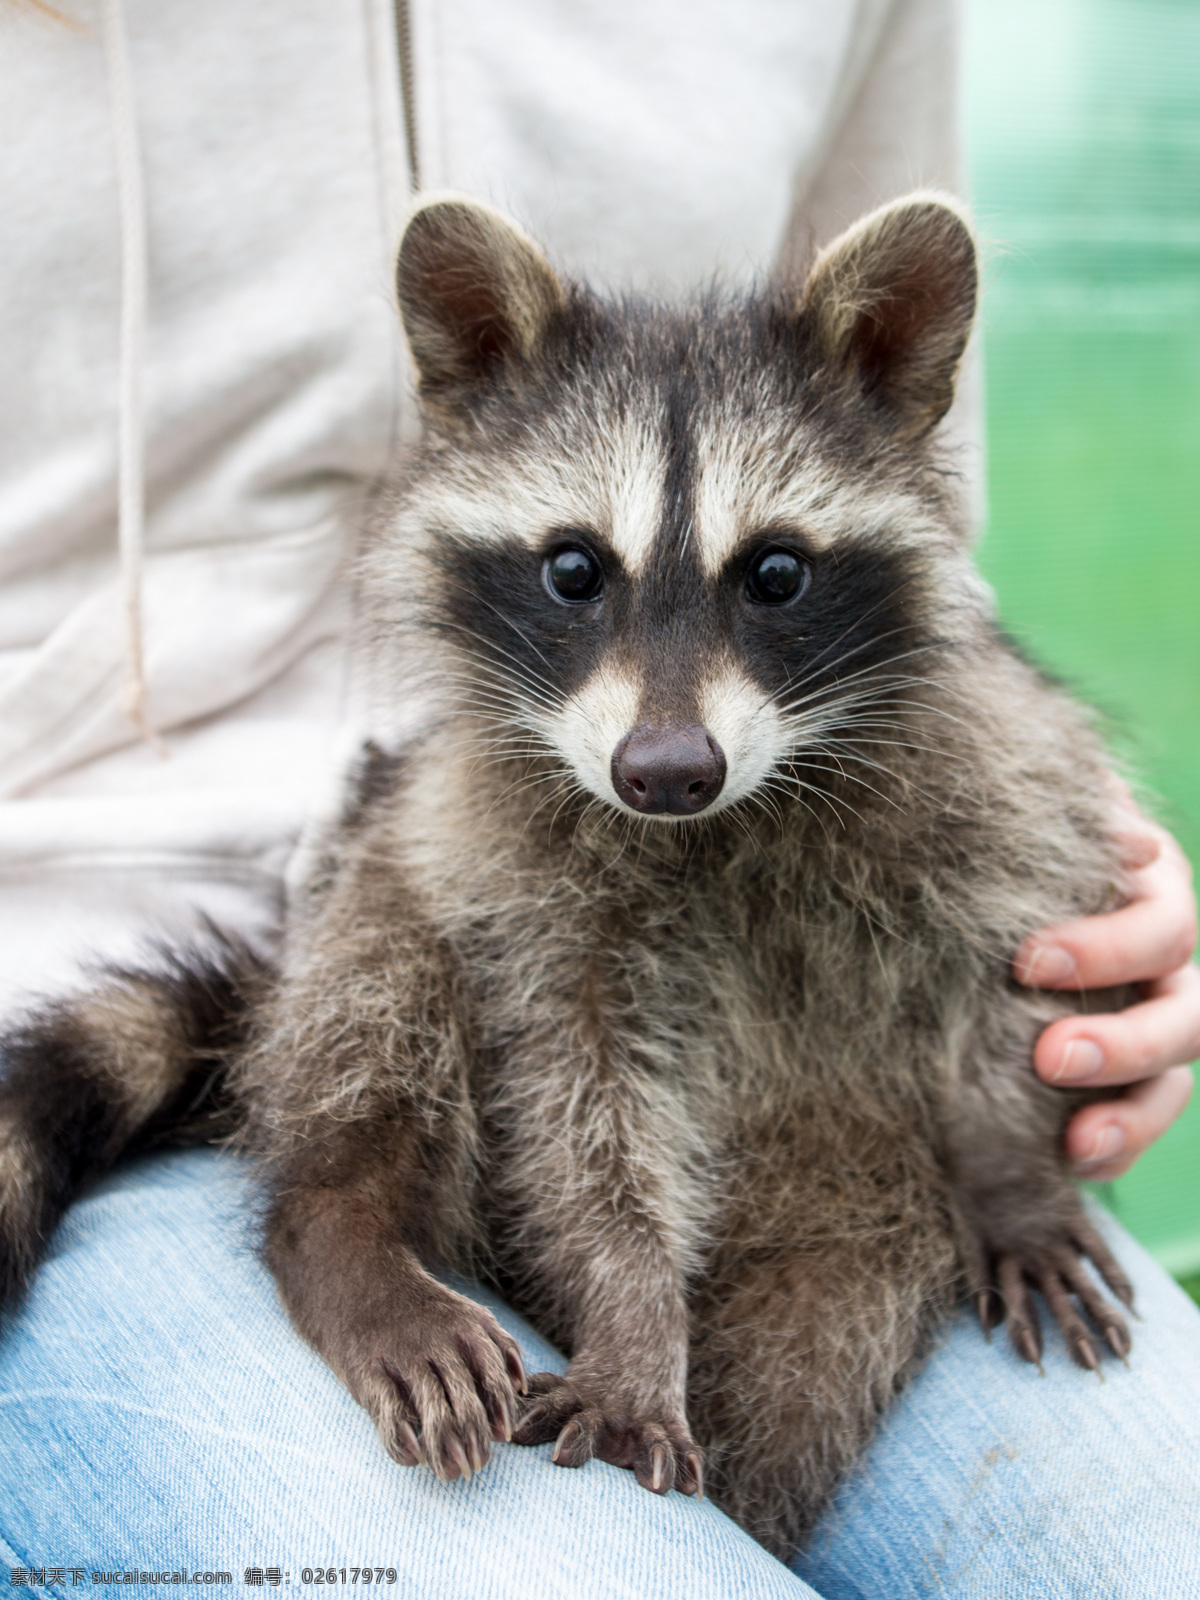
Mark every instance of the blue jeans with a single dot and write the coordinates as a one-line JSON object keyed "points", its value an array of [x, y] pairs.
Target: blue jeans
{"points": [[157, 1413]]}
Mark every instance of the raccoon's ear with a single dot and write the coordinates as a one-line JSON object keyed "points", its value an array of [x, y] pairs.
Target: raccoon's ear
{"points": [[891, 302], [476, 295]]}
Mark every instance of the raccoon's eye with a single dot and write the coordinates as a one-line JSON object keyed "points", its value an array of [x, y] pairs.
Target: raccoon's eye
{"points": [[573, 575], [777, 576]]}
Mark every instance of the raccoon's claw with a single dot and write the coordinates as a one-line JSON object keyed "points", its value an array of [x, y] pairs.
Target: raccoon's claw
{"points": [[1063, 1280], [661, 1453], [406, 1447], [514, 1361], [987, 1312], [576, 1443]]}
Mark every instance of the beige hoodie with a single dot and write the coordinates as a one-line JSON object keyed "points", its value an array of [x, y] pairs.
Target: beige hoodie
{"points": [[650, 142]]}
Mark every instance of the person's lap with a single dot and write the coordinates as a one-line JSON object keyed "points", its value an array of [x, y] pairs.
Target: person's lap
{"points": [[987, 1480], [157, 1413]]}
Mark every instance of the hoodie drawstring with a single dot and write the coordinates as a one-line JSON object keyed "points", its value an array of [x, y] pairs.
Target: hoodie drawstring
{"points": [[131, 442]]}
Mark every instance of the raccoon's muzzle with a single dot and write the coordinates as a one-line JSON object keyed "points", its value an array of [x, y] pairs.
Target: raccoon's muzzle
{"points": [[672, 771]]}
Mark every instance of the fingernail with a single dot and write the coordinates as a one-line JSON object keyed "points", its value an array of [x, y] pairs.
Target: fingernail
{"points": [[1138, 850], [1081, 1061], [1048, 964], [1110, 1141]]}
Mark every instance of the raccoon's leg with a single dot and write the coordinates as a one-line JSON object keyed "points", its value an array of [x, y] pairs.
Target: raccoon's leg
{"points": [[358, 1097], [345, 1238], [607, 1212], [85, 1079], [837, 1257], [1021, 1220]]}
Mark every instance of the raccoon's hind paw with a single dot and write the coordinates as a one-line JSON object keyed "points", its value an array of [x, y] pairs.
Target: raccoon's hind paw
{"points": [[1062, 1278], [661, 1452]]}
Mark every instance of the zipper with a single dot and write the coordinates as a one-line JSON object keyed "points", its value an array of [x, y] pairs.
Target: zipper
{"points": [[408, 95]]}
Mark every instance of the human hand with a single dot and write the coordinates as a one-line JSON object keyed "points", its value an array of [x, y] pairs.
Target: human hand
{"points": [[1150, 941]]}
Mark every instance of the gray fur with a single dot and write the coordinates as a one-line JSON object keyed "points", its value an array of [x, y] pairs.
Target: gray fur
{"points": [[737, 1105]]}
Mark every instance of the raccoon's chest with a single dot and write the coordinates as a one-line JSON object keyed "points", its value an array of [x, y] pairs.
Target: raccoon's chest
{"points": [[750, 978], [813, 996]]}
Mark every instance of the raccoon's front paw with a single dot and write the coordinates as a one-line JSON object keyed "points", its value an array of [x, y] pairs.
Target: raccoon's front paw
{"points": [[584, 1421], [440, 1382], [1060, 1275]]}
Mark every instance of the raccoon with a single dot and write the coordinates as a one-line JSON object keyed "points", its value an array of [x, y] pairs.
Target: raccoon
{"points": [[664, 981]]}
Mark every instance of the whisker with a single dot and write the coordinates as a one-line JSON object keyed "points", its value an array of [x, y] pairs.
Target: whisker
{"points": [[850, 777], [834, 800], [795, 798], [859, 620], [877, 674], [869, 701], [533, 681], [510, 623]]}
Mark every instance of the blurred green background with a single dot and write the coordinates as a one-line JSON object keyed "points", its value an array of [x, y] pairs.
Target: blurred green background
{"points": [[1083, 122]]}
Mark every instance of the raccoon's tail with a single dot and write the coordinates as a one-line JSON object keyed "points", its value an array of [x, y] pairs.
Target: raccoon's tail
{"points": [[141, 1059]]}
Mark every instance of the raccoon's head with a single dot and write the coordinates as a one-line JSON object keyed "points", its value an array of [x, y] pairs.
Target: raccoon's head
{"points": [[682, 549]]}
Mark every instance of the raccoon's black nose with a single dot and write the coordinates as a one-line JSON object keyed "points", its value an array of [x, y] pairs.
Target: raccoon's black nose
{"points": [[673, 770]]}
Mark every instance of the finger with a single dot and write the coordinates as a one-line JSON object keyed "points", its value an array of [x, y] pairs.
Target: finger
{"points": [[400, 1439], [1139, 840], [689, 1466], [1071, 1325], [429, 1402], [576, 1444], [509, 1350], [485, 1362], [1091, 1243], [1109, 1322], [654, 1459], [395, 1417], [1152, 936], [988, 1304], [551, 1408], [513, 1361], [1138, 849], [1125, 1046], [1103, 1141], [543, 1383], [1023, 1327], [538, 1425], [455, 1432]]}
